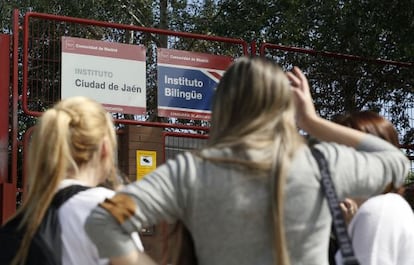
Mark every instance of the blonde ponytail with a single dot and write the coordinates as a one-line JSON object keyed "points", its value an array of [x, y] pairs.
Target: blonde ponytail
{"points": [[67, 138], [47, 169]]}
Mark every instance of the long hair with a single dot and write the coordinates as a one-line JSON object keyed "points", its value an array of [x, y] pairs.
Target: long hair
{"points": [[372, 123], [66, 139], [253, 109]]}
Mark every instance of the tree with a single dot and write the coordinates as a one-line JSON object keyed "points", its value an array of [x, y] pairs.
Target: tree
{"points": [[362, 28]]}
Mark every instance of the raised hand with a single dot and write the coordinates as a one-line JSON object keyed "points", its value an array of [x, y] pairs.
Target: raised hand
{"points": [[305, 110]]}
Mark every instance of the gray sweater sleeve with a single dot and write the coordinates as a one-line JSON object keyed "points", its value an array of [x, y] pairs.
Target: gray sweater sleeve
{"points": [[165, 193], [160, 195], [367, 169]]}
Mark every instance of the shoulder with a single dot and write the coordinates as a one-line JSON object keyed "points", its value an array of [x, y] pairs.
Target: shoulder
{"points": [[89, 197], [182, 164], [77, 208], [369, 143], [390, 208], [390, 202], [97, 193], [100, 191]]}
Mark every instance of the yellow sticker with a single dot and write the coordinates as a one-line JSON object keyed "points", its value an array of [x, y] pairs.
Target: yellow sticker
{"points": [[146, 162]]}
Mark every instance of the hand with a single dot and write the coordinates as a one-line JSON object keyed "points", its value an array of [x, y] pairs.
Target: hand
{"points": [[308, 120], [349, 208], [305, 110], [134, 257]]}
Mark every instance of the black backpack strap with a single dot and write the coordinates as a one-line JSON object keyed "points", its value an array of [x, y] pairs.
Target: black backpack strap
{"points": [[340, 229], [65, 194], [46, 245], [48, 237]]}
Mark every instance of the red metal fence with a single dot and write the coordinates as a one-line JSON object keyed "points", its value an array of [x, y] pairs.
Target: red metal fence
{"points": [[41, 54], [330, 73], [334, 73], [40, 68], [6, 184], [37, 72], [175, 143]]}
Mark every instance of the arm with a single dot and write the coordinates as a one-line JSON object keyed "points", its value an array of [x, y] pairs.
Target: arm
{"points": [[328, 131], [159, 196], [375, 163], [308, 120], [133, 258]]}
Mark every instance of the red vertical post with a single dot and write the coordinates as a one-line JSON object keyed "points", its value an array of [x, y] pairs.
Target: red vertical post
{"points": [[4, 105], [15, 99], [7, 196]]}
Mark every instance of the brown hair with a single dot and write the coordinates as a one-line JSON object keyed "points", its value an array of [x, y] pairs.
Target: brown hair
{"points": [[372, 123]]}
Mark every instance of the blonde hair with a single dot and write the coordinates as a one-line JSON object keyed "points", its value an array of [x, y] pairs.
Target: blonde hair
{"points": [[253, 108], [66, 139]]}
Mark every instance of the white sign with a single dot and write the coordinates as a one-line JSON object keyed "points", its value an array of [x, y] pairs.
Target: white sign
{"points": [[113, 74]]}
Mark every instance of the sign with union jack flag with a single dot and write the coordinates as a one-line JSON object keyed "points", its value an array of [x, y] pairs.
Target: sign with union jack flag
{"points": [[187, 81]]}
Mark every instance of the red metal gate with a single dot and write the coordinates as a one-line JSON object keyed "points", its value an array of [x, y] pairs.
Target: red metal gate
{"points": [[39, 80], [6, 185], [40, 65]]}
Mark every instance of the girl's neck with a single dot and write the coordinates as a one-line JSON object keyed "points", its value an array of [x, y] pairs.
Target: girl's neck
{"points": [[87, 176]]}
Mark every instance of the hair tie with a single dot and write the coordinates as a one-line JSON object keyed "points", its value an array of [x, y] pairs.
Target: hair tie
{"points": [[74, 118]]}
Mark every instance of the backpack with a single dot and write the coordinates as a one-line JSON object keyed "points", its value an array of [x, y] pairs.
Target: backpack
{"points": [[46, 245]]}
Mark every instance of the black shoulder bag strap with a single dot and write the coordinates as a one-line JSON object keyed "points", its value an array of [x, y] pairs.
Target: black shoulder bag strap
{"points": [[340, 230], [50, 230]]}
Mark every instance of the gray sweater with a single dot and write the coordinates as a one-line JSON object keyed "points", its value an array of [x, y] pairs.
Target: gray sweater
{"points": [[228, 210]]}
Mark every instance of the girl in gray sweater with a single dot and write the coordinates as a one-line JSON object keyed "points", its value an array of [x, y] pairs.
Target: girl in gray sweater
{"points": [[253, 195]]}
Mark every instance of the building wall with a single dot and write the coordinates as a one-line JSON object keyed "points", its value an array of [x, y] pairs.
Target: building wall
{"points": [[159, 241], [131, 139]]}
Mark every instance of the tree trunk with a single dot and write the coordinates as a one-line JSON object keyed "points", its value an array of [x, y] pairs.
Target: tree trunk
{"points": [[163, 22]]}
